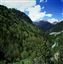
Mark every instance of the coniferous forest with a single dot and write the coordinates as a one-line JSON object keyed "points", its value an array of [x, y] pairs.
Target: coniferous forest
{"points": [[22, 42]]}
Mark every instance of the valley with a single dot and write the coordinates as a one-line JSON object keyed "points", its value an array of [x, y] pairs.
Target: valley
{"points": [[23, 42]]}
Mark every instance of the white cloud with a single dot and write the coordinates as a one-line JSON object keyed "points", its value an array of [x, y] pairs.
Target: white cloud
{"points": [[43, 0], [18, 4], [62, 13], [35, 13], [27, 5], [49, 15], [43, 7], [53, 20]]}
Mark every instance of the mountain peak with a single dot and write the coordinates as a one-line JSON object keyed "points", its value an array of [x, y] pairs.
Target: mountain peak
{"points": [[45, 25]]}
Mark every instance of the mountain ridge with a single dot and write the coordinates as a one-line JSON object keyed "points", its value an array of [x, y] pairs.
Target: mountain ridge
{"points": [[45, 25], [58, 27], [22, 42], [20, 39]]}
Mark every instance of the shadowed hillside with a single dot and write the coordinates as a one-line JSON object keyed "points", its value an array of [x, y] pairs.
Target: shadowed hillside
{"points": [[45, 25], [58, 27], [20, 40]]}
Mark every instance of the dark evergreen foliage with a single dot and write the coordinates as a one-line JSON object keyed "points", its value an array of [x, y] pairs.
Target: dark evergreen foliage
{"points": [[21, 42]]}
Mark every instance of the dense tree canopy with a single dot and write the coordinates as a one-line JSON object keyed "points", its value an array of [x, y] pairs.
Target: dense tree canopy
{"points": [[21, 42]]}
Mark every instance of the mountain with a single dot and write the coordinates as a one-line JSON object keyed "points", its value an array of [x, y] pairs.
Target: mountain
{"points": [[56, 39], [45, 25], [20, 40], [58, 27]]}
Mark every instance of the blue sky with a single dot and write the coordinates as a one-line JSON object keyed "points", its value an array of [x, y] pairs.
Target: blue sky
{"points": [[54, 7], [37, 10]]}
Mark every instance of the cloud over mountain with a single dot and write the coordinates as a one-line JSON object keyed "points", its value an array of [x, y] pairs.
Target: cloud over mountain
{"points": [[34, 10], [53, 20], [18, 4], [36, 14]]}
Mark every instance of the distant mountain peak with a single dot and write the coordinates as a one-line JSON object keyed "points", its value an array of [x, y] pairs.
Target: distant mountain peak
{"points": [[57, 27], [45, 25], [53, 21]]}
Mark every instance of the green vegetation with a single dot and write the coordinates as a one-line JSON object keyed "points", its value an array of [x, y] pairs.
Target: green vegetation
{"points": [[20, 39], [58, 27], [56, 47], [21, 42]]}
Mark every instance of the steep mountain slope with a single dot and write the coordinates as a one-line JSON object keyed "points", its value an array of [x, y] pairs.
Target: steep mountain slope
{"points": [[58, 27], [56, 39], [57, 47], [20, 40], [45, 25], [56, 42]]}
